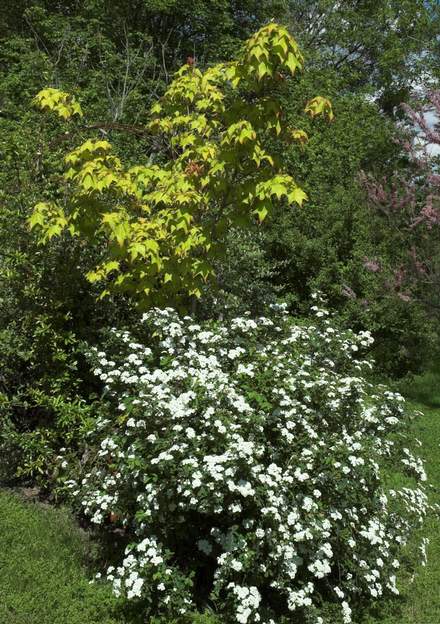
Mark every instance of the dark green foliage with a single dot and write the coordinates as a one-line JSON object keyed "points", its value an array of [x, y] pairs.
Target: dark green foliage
{"points": [[34, 425], [245, 278], [423, 389], [326, 244], [380, 46]]}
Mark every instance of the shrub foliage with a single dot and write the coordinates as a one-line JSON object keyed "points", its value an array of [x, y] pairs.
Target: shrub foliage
{"points": [[243, 463]]}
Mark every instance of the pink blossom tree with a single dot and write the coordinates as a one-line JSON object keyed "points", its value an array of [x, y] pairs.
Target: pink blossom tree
{"points": [[409, 204]]}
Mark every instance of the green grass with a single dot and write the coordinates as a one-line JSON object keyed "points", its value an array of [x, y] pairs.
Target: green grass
{"points": [[419, 602], [43, 579]]}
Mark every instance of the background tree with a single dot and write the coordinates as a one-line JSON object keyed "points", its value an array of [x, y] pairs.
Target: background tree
{"points": [[409, 203], [382, 48]]}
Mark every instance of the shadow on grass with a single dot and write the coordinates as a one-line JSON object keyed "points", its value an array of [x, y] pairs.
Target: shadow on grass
{"points": [[424, 389], [392, 610]]}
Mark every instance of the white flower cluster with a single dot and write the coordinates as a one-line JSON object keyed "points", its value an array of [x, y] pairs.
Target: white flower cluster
{"points": [[248, 457]]}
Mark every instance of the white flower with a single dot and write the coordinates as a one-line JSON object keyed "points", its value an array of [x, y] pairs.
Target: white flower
{"points": [[320, 568], [219, 426], [136, 589], [190, 433], [346, 613], [339, 592], [236, 565], [308, 503]]}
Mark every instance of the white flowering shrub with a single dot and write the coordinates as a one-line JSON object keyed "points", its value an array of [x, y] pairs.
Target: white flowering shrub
{"points": [[245, 462]]}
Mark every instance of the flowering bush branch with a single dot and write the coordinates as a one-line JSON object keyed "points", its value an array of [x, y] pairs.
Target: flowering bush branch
{"points": [[245, 463]]}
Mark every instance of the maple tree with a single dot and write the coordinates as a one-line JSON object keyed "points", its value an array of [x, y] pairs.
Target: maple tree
{"points": [[161, 223]]}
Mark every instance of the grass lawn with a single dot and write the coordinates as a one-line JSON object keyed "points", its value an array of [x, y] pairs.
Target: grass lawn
{"points": [[42, 575], [420, 598], [43, 578]]}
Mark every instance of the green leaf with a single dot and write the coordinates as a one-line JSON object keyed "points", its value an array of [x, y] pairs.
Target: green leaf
{"points": [[262, 210], [297, 196], [263, 70]]}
